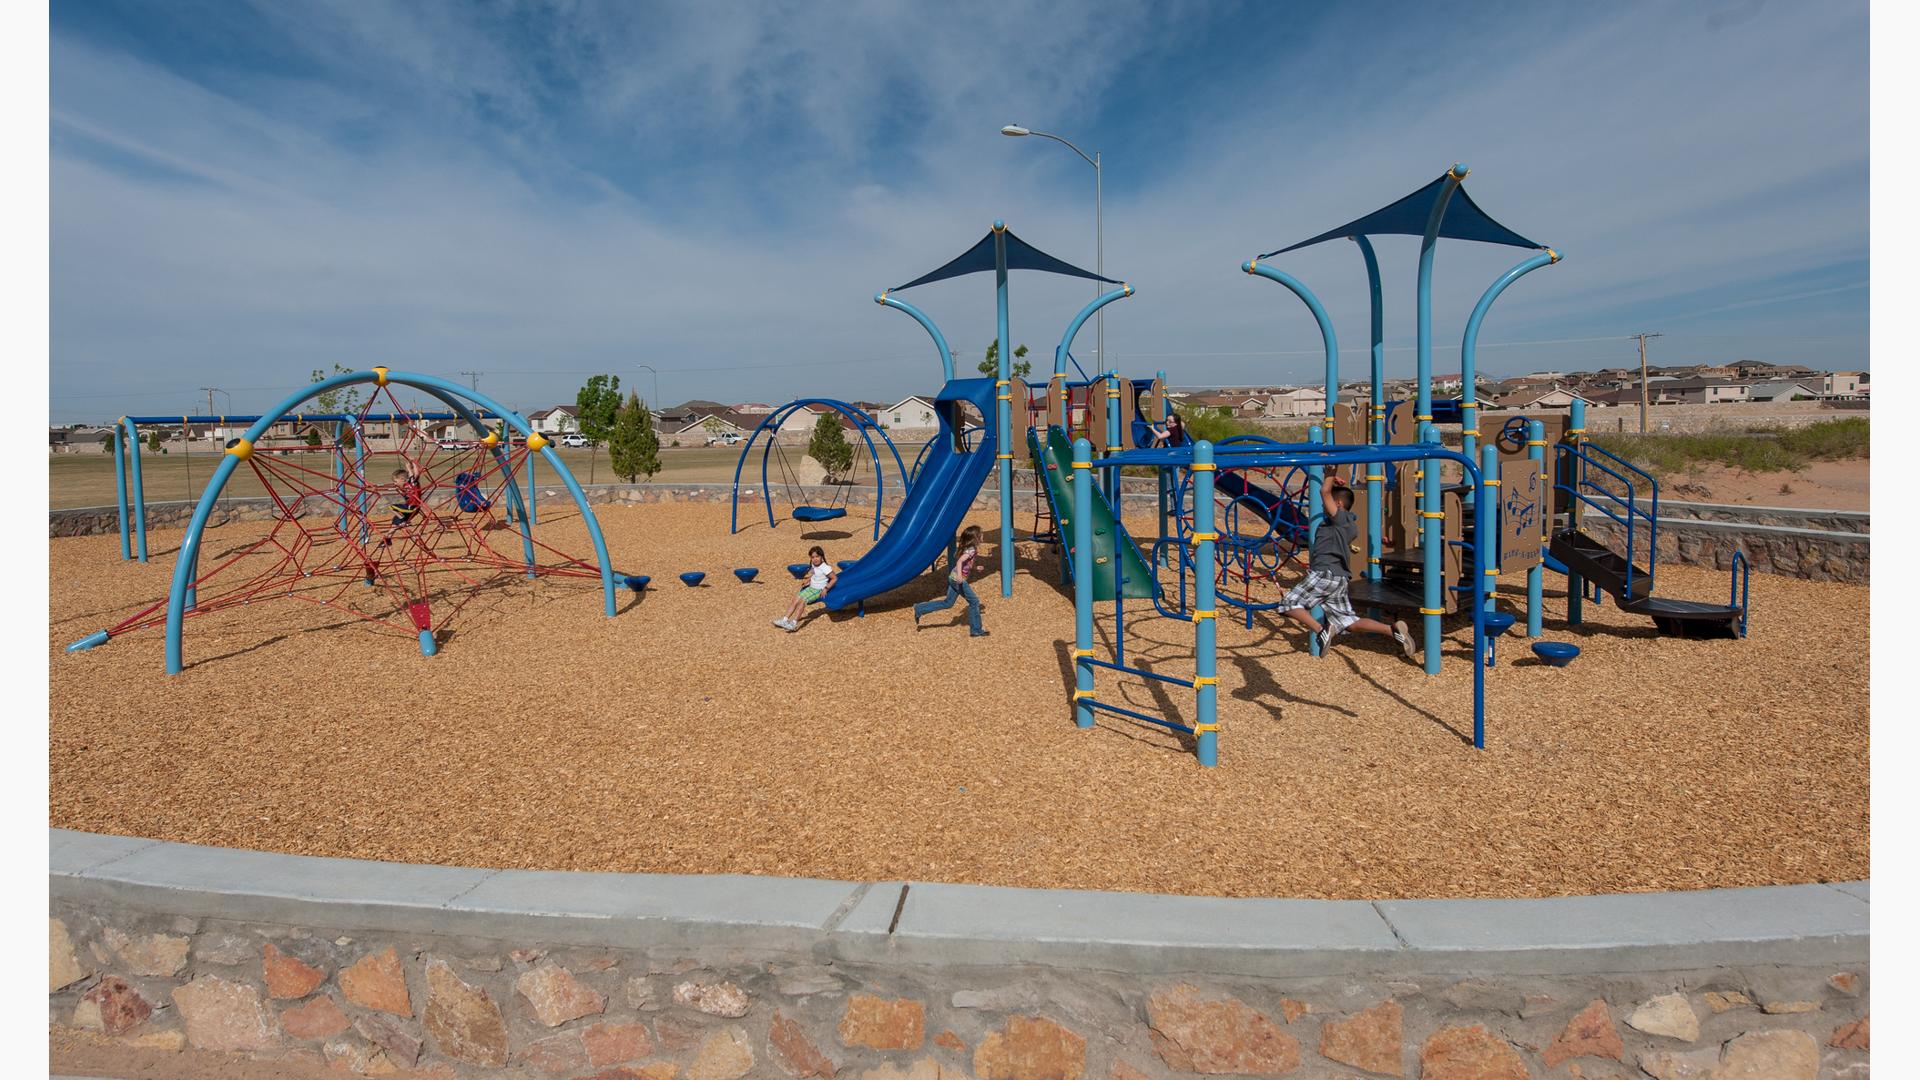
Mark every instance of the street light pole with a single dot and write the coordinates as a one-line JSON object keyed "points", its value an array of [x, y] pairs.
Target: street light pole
{"points": [[655, 404], [1099, 232]]}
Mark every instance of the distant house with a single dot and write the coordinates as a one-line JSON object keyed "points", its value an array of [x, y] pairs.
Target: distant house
{"points": [[1299, 401], [1709, 391], [1845, 384], [1535, 397], [910, 415], [753, 408], [555, 421], [1657, 394], [80, 440], [1785, 390]]}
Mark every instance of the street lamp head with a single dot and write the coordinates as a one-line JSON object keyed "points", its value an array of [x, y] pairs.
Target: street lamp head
{"points": [[1015, 130]]}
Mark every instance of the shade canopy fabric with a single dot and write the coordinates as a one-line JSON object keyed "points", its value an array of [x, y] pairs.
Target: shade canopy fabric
{"points": [[1020, 256], [1408, 217]]}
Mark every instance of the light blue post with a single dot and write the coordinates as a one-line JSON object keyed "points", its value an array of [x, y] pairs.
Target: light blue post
{"points": [[1469, 342], [1432, 550], [1423, 410], [1316, 512], [1116, 442], [533, 490], [1537, 453], [1486, 544], [139, 489], [1376, 422], [1206, 726], [1576, 434], [120, 488], [1162, 478], [1003, 402], [1483, 525], [1082, 583]]}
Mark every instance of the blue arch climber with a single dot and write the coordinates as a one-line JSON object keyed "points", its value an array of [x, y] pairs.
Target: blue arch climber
{"points": [[456, 397], [862, 422]]}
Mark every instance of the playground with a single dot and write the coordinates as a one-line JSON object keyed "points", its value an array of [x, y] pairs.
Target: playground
{"points": [[688, 736], [474, 680]]}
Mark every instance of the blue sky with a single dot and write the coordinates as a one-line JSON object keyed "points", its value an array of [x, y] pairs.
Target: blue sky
{"points": [[243, 192]]}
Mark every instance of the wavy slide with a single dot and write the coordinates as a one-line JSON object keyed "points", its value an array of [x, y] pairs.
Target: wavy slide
{"points": [[942, 493]]}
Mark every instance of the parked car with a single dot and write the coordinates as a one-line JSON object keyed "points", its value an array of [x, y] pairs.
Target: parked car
{"points": [[574, 438], [727, 438]]}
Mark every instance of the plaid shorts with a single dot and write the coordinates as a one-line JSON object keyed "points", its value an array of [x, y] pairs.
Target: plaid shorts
{"points": [[809, 594], [1325, 590]]}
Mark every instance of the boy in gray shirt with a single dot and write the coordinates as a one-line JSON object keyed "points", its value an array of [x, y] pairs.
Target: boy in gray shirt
{"points": [[1326, 581]]}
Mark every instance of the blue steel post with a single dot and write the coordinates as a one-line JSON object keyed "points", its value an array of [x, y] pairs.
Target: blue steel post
{"points": [[1375, 423], [939, 339], [1537, 453], [139, 491], [1082, 583], [1576, 472], [189, 556], [1432, 550], [1483, 527], [1423, 411], [1470, 341], [1486, 544], [533, 491], [1003, 409], [1316, 511], [120, 488], [1206, 688], [1116, 442], [1162, 478]]}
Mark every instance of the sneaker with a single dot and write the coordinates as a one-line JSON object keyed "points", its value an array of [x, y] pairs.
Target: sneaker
{"points": [[1405, 637], [792, 626], [1325, 637], [781, 622], [983, 633]]}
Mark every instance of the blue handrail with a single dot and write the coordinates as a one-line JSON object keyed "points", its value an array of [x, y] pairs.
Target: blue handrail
{"points": [[1580, 485], [1737, 588]]}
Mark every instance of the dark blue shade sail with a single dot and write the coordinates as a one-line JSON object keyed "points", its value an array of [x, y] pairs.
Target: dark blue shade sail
{"points": [[1020, 256], [1408, 217]]}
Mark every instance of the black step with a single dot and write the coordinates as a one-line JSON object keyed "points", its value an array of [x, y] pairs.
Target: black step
{"points": [[1392, 594], [1688, 618], [1601, 565]]}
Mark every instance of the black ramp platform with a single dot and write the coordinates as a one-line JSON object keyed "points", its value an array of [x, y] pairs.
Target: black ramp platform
{"points": [[1688, 618]]}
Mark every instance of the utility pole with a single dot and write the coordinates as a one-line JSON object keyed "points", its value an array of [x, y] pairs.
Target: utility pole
{"points": [[1642, 338], [473, 379]]}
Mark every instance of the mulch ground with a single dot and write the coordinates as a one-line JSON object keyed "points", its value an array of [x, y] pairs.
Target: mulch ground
{"points": [[690, 736]]}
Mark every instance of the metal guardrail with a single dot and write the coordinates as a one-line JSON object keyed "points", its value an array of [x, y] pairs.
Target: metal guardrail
{"points": [[1629, 503]]}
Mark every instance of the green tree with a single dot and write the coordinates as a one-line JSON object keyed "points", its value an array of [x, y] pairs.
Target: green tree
{"points": [[596, 406], [1019, 369], [633, 447], [340, 399], [153, 440], [829, 447], [313, 437]]}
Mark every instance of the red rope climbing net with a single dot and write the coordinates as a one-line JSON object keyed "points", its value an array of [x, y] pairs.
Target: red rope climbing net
{"points": [[390, 526]]}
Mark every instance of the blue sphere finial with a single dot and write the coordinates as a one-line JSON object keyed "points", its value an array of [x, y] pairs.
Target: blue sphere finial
{"points": [[998, 225]]}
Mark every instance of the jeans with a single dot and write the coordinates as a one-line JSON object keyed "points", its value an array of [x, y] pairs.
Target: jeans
{"points": [[955, 589]]}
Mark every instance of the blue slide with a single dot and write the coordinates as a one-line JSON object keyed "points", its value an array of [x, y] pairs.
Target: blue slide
{"points": [[942, 493], [1283, 514]]}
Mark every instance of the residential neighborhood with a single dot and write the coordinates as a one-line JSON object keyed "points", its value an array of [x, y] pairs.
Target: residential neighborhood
{"points": [[700, 422]]}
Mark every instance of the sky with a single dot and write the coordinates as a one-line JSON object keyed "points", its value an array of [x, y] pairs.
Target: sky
{"points": [[522, 195]]}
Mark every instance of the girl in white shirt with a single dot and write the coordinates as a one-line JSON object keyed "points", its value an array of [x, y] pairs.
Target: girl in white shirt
{"points": [[820, 578]]}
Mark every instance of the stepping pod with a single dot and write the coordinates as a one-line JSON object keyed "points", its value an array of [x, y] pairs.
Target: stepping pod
{"points": [[1557, 653], [693, 577], [746, 573]]}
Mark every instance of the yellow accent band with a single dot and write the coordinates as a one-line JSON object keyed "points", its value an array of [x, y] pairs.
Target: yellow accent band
{"points": [[1083, 464], [1003, 457], [1202, 466], [1475, 432], [1058, 375], [1113, 391], [1203, 537], [1492, 483], [242, 449], [1205, 680], [1078, 694], [1202, 613], [1078, 653], [1554, 254], [1253, 264], [1576, 431], [1204, 729], [380, 376], [1115, 449], [1493, 573], [1433, 513], [1536, 442], [1377, 476], [1003, 382], [1373, 561], [1433, 611], [1423, 419], [537, 441]]}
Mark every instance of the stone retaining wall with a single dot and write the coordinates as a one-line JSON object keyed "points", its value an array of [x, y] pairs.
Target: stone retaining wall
{"points": [[386, 969], [1811, 554]]}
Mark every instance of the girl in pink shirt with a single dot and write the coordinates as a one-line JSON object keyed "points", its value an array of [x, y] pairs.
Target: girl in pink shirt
{"points": [[957, 586]]}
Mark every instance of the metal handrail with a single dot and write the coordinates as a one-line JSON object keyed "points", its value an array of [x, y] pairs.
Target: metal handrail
{"points": [[1630, 503], [1739, 583]]}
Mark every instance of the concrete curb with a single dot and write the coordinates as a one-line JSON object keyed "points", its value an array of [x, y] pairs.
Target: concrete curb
{"points": [[971, 925]]}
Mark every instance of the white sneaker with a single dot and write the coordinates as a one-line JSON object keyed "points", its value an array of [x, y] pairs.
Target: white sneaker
{"points": [[792, 626], [781, 622], [1405, 637]]}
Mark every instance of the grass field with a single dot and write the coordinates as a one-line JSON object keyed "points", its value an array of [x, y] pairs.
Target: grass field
{"points": [[87, 479], [1757, 450]]}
